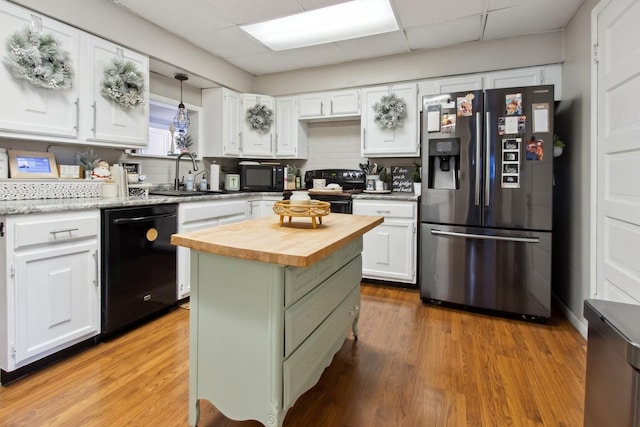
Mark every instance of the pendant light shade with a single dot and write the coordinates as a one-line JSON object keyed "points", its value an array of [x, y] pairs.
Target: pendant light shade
{"points": [[181, 120]]}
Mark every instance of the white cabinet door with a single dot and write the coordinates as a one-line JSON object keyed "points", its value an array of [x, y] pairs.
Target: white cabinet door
{"points": [[29, 111], [390, 249], [344, 102], [291, 134], [57, 299], [104, 121], [402, 141], [255, 142], [449, 85], [530, 76], [221, 125], [312, 104]]}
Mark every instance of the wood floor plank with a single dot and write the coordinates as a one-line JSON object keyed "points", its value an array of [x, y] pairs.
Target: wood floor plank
{"points": [[414, 365]]}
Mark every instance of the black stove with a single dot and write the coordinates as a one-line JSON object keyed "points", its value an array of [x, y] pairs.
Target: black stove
{"points": [[351, 181]]}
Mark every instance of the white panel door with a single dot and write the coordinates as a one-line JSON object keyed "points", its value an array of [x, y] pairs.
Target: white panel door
{"points": [[618, 153]]}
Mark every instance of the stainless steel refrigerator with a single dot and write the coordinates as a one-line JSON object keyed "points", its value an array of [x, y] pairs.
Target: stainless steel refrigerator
{"points": [[486, 205]]}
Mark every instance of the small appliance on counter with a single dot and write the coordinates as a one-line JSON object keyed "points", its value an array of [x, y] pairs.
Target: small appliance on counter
{"points": [[261, 177], [232, 182]]}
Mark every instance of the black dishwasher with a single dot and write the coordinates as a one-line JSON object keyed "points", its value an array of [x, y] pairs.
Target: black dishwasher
{"points": [[138, 264]]}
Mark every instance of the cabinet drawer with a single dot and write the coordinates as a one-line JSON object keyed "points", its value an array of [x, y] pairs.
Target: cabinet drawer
{"points": [[305, 316], [52, 228], [301, 280], [387, 210], [192, 212], [303, 369]]}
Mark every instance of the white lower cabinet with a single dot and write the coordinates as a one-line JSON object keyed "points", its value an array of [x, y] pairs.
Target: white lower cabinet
{"points": [[390, 249], [51, 290], [261, 207], [198, 215]]}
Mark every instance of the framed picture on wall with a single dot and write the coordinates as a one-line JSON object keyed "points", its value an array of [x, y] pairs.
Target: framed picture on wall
{"points": [[32, 165]]}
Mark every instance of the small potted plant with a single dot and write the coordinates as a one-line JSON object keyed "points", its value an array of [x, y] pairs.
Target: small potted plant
{"points": [[89, 161], [416, 177], [385, 177]]}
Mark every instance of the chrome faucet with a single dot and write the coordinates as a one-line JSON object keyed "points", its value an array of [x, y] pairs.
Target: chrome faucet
{"points": [[176, 182]]}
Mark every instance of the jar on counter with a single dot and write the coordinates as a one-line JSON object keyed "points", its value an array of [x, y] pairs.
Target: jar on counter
{"points": [[300, 198]]}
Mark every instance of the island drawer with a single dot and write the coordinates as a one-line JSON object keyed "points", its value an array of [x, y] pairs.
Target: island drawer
{"points": [[299, 281], [305, 366], [305, 316]]}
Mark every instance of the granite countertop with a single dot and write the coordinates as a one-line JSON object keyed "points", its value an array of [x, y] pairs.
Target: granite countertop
{"points": [[411, 197], [263, 239], [18, 207]]}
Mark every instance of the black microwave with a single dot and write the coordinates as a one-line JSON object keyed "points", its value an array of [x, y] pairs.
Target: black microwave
{"points": [[261, 178]]}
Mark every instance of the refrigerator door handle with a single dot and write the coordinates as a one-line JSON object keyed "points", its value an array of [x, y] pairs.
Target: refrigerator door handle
{"points": [[487, 160], [478, 148], [485, 237]]}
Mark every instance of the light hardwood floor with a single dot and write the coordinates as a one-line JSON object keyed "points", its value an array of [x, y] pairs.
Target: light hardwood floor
{"points": [[413, 365]]}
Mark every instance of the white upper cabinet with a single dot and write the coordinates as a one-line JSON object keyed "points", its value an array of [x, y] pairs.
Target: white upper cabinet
{"points": [[329, 105], [78, 114], [449, 85], [400, 141], [221, 127], [531, 76], [291, 133], [256, 142], [105, 122], [30, 111]]}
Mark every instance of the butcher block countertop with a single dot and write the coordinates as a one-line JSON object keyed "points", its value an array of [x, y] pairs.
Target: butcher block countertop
{"points": [[263, 239]]}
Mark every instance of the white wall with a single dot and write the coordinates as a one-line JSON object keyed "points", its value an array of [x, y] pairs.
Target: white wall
{"points": [[572, 238], [515, 52]]}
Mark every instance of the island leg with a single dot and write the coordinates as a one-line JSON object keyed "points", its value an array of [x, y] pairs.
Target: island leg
{"points": [[354, 325], [194, 416]]}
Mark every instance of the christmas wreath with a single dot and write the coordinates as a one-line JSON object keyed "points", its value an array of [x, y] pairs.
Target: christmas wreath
{"points": [[39, 59], [260, 118], [123, 83], [390, 111]]}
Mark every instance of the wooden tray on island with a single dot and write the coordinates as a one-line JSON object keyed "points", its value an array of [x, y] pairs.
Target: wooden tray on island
{"points": [[314, 209]]}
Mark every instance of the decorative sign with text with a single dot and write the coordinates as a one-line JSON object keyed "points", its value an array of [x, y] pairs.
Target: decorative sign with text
{"points": [[401, 178]]}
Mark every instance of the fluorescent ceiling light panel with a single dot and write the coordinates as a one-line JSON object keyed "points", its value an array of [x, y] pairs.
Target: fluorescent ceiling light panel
{"points": [[356, 18]]}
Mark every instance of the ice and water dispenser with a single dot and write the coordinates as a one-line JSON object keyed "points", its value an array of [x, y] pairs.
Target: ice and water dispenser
{"points": [[444, 163]]}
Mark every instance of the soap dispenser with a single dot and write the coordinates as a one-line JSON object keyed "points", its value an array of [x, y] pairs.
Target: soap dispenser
{"points": [[203, 183], [189, 185]]}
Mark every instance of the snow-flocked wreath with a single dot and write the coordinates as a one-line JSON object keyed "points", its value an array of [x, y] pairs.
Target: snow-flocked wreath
{"points": [[390, 111], [39, 59], [259, 117], [123, 83]]}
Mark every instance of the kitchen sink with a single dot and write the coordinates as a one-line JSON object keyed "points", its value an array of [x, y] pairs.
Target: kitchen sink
{"points": [[184, 193]]}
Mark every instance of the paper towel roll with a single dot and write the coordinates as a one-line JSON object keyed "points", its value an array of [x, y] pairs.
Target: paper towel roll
{"points": [[214, 177]]}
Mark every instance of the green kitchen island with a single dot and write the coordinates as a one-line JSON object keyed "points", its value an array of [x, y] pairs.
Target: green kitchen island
{"points": [[270, 306]]}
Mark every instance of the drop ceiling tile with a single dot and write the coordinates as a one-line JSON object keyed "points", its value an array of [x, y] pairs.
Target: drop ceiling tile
{"points": [[315, 56], [264, 63], [227, 43], [412, 13], [432, 36], [190, 13], [252, 11], [373, 46], [505, 4], [317, 4], [540, 17]]}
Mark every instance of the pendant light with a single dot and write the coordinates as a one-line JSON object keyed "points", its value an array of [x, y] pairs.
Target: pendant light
{"points": [[181, 120]]}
